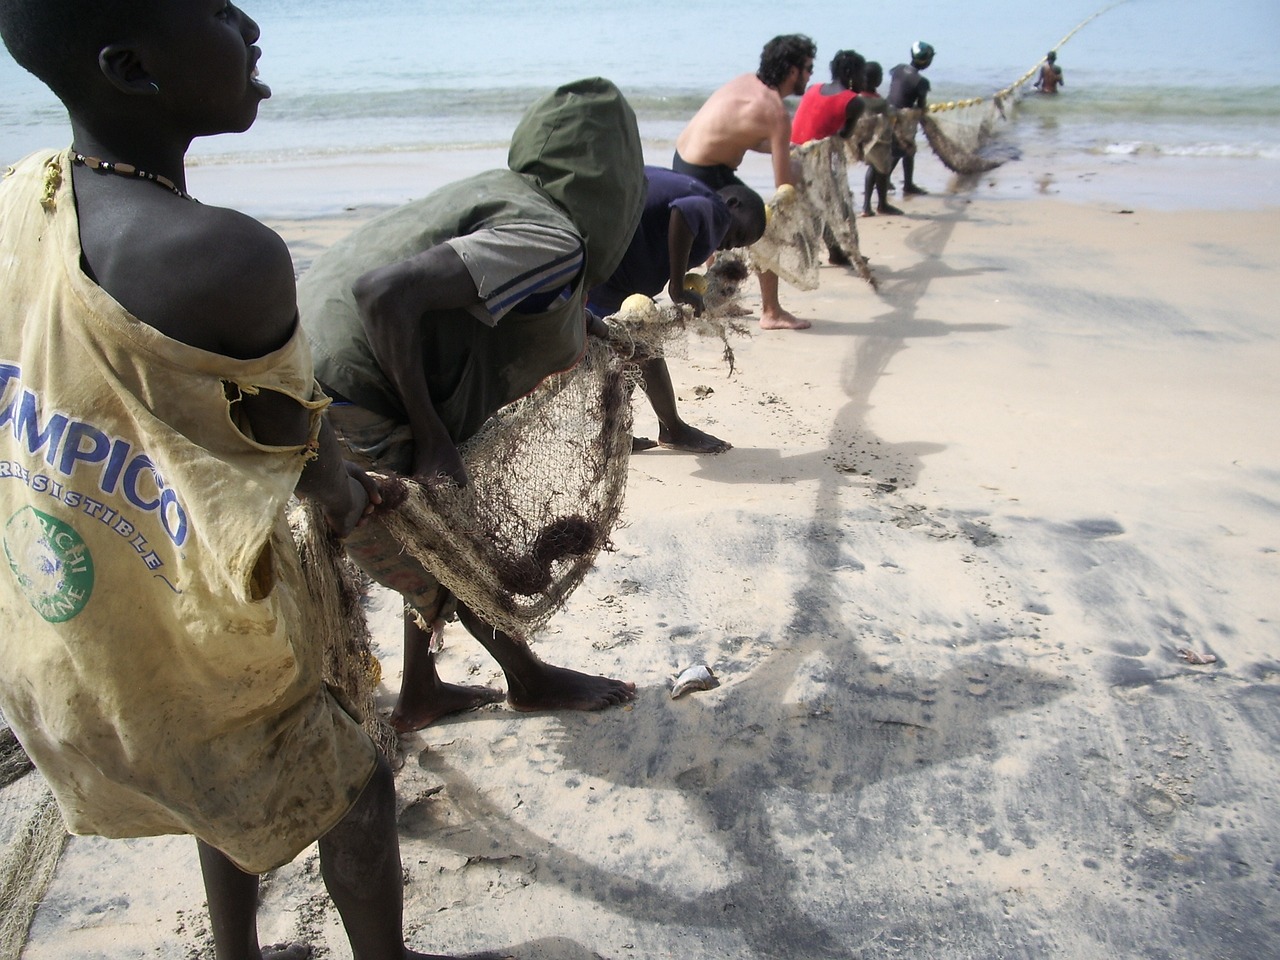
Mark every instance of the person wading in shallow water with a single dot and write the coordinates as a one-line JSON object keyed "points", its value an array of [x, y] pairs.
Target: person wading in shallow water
{"points": [[1050, 78]]}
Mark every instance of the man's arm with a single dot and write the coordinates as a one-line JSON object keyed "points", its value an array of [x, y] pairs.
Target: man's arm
{"points": [[392, 301], [344, 492], [780, 148], [679, 244], [853, 112]]}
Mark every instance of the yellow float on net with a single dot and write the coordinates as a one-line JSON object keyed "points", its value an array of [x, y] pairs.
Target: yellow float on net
{"points": [[696, 283], [639, 307]]}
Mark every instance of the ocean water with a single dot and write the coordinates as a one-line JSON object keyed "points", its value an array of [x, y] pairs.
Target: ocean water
{"points": [[389, 82]]}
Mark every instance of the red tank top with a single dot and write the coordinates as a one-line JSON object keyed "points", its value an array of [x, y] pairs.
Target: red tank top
{"points": [[819, 116]]}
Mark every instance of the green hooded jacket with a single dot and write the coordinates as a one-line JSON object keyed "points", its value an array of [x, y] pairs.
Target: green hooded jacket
{"points": [[575, 162]]}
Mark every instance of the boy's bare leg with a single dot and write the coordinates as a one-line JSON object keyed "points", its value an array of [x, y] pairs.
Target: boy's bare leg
{"points": [[360, 863], [233, 911], [534, 685], [909, 185], [868, 188], [879, 183], [424, 697], [772, 316], [673, 432]]}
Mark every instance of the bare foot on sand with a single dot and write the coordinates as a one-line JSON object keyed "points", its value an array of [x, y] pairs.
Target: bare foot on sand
{"points": [[442, 700], [888, 210], [639, 444], [782, 320], [691, 440], [558, 688], [911, 190]]}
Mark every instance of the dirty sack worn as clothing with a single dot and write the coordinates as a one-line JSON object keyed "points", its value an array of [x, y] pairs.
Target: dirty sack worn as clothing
{"points": [[159, 666]]}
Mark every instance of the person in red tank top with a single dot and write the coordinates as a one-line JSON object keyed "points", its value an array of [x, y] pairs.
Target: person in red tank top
{"points": [[828, 110], [831, 109]]}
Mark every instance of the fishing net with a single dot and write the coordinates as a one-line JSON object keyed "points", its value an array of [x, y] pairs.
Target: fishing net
{"points": [[642, 328], [548, 472], [547, 477], [871, 141], [336, 613], [31, 836], [824, 171], [957, 131], [803, 222]]}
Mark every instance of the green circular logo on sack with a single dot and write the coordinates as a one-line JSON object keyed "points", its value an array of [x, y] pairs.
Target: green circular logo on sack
{"points": [[51, 562]]}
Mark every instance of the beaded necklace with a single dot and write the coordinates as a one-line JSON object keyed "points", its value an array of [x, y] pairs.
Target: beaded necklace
{"points": [[129, 170]]}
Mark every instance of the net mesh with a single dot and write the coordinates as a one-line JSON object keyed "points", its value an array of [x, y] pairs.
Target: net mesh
{"points": [[548, 472], [547, 478], [817, 216], [32, 837], [337, 589]]}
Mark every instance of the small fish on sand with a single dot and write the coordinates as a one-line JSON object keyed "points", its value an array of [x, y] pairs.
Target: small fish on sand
{"points": [[1197, 658], [698, 677]]}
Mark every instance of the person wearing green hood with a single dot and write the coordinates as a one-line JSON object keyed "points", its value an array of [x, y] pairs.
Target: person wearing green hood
{"points": [[427, 320]]}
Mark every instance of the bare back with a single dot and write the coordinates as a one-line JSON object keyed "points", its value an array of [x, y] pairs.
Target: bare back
{"points": [[1050, 78], [743, 115]]}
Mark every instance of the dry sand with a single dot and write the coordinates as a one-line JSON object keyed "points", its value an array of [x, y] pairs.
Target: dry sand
{"points": [[944, 576]]}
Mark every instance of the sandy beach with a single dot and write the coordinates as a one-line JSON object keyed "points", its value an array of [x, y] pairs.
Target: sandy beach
{"points": [[945, 576]]}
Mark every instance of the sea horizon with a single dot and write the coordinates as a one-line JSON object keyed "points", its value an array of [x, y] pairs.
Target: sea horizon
{"points": [[372, 104]]}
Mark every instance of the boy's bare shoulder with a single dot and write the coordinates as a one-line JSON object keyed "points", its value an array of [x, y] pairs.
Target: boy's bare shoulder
{"points": [[209, 276]]}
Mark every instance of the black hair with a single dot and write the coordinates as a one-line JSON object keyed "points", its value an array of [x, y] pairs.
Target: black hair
{"points": [[59, 40], [872, 75], [781, 54], [847, 68], [749, 201]]}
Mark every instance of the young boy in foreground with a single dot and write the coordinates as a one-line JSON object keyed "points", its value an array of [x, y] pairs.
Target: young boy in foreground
{"points": [[157, 410]]}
